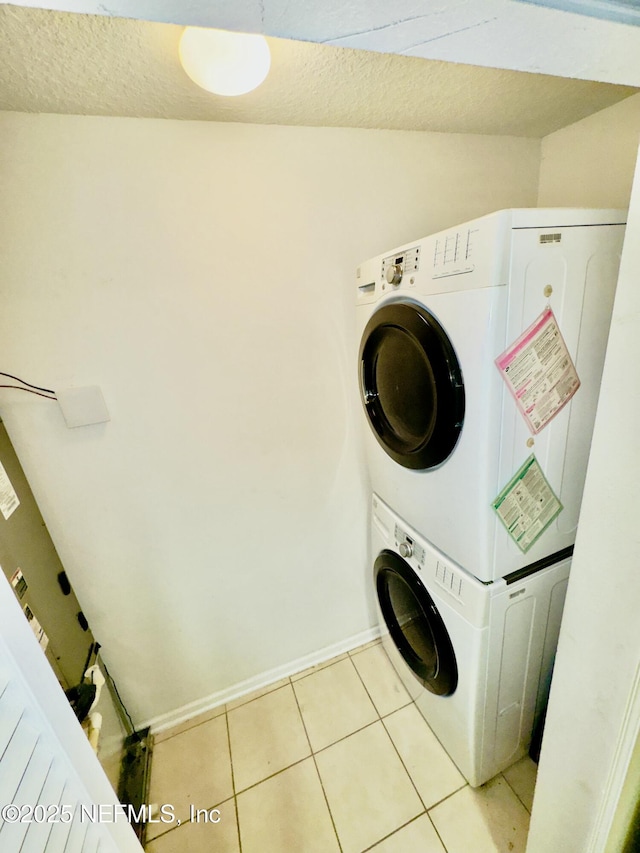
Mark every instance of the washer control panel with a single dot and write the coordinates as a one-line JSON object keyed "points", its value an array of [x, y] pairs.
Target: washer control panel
{"points": [[395, 267], [409, 548]]}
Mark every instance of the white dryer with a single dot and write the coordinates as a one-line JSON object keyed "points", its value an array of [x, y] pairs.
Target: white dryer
{"points": [[444, 436], [476, 658]]}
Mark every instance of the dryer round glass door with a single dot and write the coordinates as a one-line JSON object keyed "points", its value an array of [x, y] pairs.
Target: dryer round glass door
{"points": [[414, 624], [411, 385]]}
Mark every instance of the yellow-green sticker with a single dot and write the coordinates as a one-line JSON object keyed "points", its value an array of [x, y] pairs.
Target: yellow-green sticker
{"points": [[527, 505]]}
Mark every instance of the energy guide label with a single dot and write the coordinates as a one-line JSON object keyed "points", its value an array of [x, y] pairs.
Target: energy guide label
{"points": [[527, 505], [539, 371]]}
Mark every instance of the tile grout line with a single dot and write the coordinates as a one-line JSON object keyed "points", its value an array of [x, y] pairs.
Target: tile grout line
{"points": [[233, 781], [391, 834], [165, 737], [426, 809], [435, 829], [375, 707], [262, 692], [452, 794], [214, 804], [406, 769], [381, 719], [464, 785], [306, 673], [516, 793], [311, 755], [276, 772], [315, 764], [170, 828], [382, 716], [273, 775], [291, 679]]}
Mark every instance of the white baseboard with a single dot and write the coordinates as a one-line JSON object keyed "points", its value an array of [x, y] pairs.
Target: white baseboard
{"points": [[257, 682]]}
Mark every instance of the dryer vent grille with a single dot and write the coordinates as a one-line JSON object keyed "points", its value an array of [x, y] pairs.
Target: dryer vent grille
{"points": [[550, 238]]}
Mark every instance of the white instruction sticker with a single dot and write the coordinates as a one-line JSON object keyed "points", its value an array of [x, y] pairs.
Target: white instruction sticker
{"points": [[8, 498], [539, 371], [527, 505], [37, 628]]}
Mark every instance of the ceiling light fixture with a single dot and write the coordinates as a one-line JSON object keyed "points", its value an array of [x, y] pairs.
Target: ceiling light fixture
{"points": [[223, 62]]}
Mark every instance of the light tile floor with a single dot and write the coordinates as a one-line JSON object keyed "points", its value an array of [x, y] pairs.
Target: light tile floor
{"points": [[336, 758]]}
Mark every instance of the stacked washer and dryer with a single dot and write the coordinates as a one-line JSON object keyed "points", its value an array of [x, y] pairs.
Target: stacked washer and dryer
{"points": [[481, 355]]}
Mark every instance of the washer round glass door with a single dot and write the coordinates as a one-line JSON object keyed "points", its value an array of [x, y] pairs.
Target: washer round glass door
{"points": [[411, 385], [415, 625]]}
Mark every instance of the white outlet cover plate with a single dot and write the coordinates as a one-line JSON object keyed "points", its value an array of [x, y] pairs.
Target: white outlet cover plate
{"points": [[83, 406]]}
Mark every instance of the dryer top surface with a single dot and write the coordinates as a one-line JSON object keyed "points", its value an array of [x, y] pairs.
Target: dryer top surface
{"points": [[472, 255]]}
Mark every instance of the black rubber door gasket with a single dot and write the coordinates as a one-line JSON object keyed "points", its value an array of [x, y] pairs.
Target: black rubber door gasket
{"points": [[411, 385], [415, 624]]}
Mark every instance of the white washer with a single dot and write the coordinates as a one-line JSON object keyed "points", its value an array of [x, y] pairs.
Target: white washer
{"points": [[476, 658], [444, 436]]}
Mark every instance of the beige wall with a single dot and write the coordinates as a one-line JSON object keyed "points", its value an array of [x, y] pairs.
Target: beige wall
{"points": [[202, 275], [591, 163]]}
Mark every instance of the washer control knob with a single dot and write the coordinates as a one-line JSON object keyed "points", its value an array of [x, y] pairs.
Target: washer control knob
{"points": [[393, 273], [405, 549]]}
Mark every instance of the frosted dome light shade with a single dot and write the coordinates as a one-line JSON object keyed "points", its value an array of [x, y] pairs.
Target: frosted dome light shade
{"points": [[222, 62]]}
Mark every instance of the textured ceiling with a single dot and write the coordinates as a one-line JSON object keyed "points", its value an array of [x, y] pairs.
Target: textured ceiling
{"points": [[60, 62], [512, 34]]}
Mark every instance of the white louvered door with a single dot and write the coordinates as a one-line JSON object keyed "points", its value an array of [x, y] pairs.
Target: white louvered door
{"points": [[48, 771], [38, 780]]}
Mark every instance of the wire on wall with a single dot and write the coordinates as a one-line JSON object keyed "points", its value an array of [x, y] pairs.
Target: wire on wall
{"points": [[27, 386], [123, 707]]}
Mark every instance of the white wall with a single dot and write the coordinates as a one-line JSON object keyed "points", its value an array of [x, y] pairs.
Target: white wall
{"points": [[591, 163], [590, 710], [202, 275]]}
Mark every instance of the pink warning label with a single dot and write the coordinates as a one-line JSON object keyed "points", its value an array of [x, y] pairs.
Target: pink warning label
{"points": [[539, 371]]}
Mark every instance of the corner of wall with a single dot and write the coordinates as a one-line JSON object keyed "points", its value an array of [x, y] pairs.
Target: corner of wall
{"points": [[591, 163]]}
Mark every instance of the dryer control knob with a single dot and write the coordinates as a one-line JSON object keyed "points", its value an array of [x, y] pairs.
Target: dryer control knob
{"points": [[405, 549], [393, 273]]}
